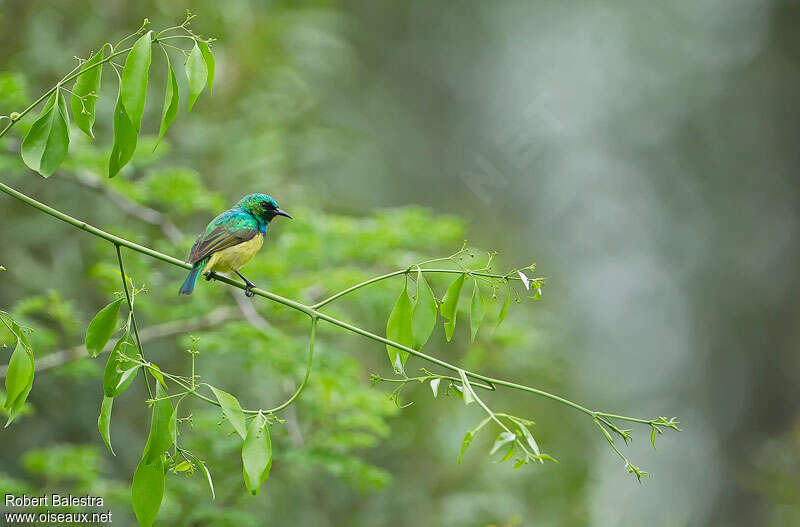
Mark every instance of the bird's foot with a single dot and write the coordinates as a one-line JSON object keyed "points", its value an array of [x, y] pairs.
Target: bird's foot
{"points": [[209, 275], [248, 285]]}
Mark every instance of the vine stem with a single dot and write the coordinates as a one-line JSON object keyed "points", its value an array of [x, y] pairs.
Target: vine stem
{"points": [[291, 399], [311, 311], [411, 269], [133, 315]]}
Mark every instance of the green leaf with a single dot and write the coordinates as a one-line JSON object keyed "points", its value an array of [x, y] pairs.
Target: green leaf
{"points": [[155, 371], [87, 87], [197, 73], [208, 477], [102, 327], [450, 305], [504, 309], [104, 422], [159, 439], [208, 58], [435, 387], [205, 470], [476, 312], [525, 280], [509, 453], [133, 86], [46, 144], [119, 372], [171, 99], [502, 439], [468, 437], [232, 411], [126, 379], [172, 426], [19, 378], [424, 312], [528, 436], [147, 491], [125, 137], [256, 454], [469, 397], [399, 328]]}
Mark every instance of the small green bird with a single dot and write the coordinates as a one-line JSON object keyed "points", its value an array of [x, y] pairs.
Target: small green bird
{"points": [[231, 240]]}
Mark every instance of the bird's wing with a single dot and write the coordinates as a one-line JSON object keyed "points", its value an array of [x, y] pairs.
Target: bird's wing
{"points": [[226, 230]]}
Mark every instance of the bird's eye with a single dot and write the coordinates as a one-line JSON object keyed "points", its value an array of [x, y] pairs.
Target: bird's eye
{"points": [[265, 204]]}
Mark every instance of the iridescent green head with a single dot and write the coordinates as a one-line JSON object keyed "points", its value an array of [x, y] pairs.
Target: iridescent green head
{"points": [[261, 206]]}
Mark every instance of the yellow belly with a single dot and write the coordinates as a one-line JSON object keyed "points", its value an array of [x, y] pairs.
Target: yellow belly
{"points": [[232, 258]]}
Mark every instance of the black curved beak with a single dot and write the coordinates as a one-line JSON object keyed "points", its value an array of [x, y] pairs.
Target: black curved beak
{"points": [[279, 212]]}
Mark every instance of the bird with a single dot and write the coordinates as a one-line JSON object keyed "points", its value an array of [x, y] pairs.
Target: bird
{"points": [[231, 240]]}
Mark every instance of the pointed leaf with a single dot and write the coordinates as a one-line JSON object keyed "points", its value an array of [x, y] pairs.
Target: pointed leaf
{"points": [[125, 137], [528, 436], [119, 372], [155, 371], [399, 328], [147, 491], [205, 470], [232, 411], [87, 87], [126, 379], [208, 477], [102, 327], [450, 305], [424, 312], [525, 281], [133, 86], [509, 453], [502, 439], [159, 439], [469, 396], [476, 312], [468, 437], [171, 99], [46, 143], [104, 422], [172, 427], [19, 379], [435, 386], [504, 308], [208, 58], [197, 73], [256, 454]]}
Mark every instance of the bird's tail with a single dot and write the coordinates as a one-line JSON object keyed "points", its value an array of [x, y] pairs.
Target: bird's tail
{"points": [[191, 280]]}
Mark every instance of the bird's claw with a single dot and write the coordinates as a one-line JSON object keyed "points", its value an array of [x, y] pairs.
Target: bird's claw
{"points": [[248, 291]]}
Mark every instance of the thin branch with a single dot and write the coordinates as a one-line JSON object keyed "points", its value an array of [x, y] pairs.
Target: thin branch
{"points": [[149, 215], [291, 399], [298, 306], [413, 269], [129, 297]]}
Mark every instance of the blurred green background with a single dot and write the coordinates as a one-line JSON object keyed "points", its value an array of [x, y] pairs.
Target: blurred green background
{"points": [[645, 155]]}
